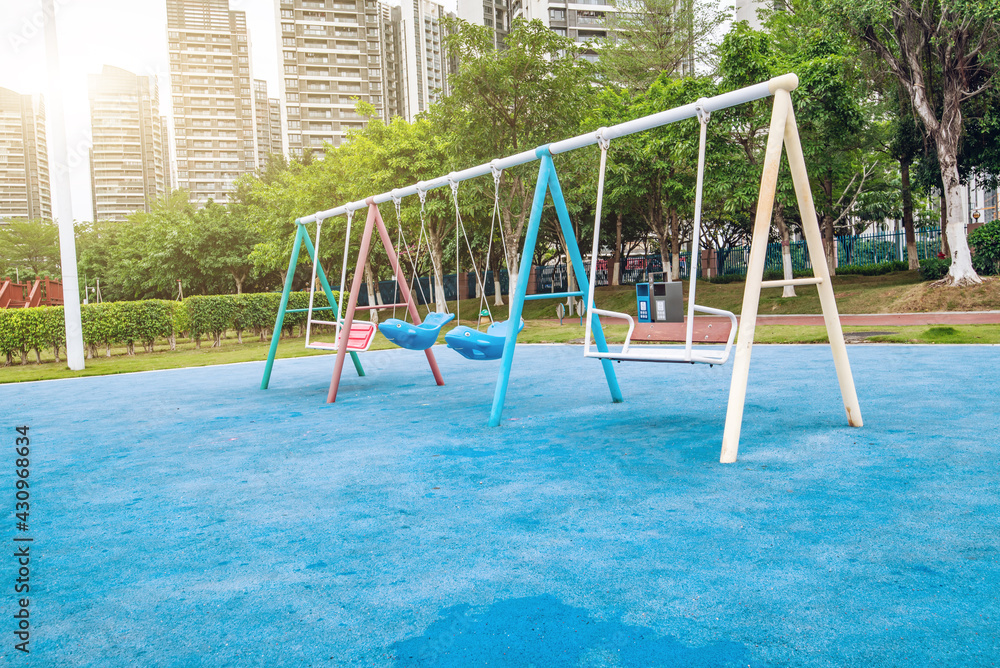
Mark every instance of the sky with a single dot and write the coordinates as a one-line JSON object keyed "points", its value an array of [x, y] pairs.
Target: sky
{"points": [[130, 34]]}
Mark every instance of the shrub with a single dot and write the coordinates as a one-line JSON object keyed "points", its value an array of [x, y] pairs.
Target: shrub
{"points": [[985, 244], [933, 268], [210, 315], [872, 269]]}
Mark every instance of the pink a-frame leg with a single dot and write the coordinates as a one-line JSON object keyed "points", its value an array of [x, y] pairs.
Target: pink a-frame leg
{"points": [[374, 219]]}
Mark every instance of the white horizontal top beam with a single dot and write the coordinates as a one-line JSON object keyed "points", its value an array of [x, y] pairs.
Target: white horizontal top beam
{"points": [[787, 82]]}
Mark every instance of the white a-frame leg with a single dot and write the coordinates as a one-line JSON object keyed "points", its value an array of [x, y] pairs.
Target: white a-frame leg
{"points": [[784, 131]]}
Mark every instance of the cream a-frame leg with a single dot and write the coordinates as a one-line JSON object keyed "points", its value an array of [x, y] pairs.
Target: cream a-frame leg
{"points": [[783, 130]]}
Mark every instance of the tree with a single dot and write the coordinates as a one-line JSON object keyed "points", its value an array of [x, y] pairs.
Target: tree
{"points": [[534, 91], [223, 238], [30, 246], [383, 157], [950, 46], [653, 173], [834, 111], [905, 146], [650, 37]]}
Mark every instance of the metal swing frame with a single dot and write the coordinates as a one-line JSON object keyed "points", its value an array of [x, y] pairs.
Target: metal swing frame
{"points": [[783, 134]]}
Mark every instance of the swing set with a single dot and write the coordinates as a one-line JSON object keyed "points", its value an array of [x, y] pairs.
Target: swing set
{"points": [[499, 341]]}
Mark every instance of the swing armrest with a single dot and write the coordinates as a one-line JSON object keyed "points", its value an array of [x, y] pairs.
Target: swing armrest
{"points": [[622, 316]]}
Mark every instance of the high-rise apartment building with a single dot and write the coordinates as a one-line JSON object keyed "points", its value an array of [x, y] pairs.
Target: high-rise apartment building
{"points": [[24, 160], [268, 113], [393, 80], [168, 172], [331, 52], [569, 19], [214, 125], [493, 14], [425, 62], [127, 170]]}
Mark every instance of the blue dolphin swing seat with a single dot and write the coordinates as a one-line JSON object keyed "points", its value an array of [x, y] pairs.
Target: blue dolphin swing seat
{"points": [[474, 345], [415, 337]]}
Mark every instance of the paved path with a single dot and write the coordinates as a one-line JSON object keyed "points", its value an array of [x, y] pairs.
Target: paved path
{"points": [[715, 329]]}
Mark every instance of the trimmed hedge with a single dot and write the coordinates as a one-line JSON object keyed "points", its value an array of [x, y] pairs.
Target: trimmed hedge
{"points": [[125, 323]]}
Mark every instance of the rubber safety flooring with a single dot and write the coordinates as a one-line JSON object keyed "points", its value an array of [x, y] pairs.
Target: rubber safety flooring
{"points": [[188, 518]]}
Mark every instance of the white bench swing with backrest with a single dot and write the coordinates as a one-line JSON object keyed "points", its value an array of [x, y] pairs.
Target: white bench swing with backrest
{"points": [[782, 133], [689, 354]]}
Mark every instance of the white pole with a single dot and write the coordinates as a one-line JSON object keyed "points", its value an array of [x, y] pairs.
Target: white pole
{"points": [[63, 202]]}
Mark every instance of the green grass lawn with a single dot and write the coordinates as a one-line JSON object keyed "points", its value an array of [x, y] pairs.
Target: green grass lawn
{"points": [[892, 293], [541, 331]]}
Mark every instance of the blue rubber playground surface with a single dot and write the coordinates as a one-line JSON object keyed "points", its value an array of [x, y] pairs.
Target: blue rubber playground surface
{"points": [[187, 518]]}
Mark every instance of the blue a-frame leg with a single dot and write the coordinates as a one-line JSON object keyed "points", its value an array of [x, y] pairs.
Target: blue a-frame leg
{"points": [[548, 181], [300, 237]]}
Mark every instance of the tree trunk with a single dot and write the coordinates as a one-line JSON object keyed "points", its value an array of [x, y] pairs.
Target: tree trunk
{"points": [[945, 246], [437, 260], [513, 231], [372, 292], [786, 249], [675, 246], [911, 238], [239, 283], [961, 271], [616, 258], [829, 243]]}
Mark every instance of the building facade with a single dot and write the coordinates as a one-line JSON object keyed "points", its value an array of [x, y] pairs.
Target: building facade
{"points": [[425, 65], [331, 52], [25, 189], [393, 80], [215, 129], [268, 114], [127, 168], [494, 14]]}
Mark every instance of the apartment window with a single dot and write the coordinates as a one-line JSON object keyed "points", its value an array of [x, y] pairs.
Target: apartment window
{"points": [[557, 14], [287, 14], [289, 55], [291, 69], [292, 97], [288, 41], [559, 31]]}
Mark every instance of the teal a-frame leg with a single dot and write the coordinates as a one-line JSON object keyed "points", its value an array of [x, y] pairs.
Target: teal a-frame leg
{"points": [[300, 236], [547, 182]]}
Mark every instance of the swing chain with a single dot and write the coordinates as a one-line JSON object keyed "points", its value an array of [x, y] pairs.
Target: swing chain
{"points": [[603, 141], [396, 200], [703, 113], [422, 194]]}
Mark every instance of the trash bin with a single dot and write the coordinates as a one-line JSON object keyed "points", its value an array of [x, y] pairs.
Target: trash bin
{"points": [[642, 301], [667, 302]]}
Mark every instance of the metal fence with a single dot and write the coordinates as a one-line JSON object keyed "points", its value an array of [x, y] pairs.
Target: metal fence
{"points": [[863, 250]]}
